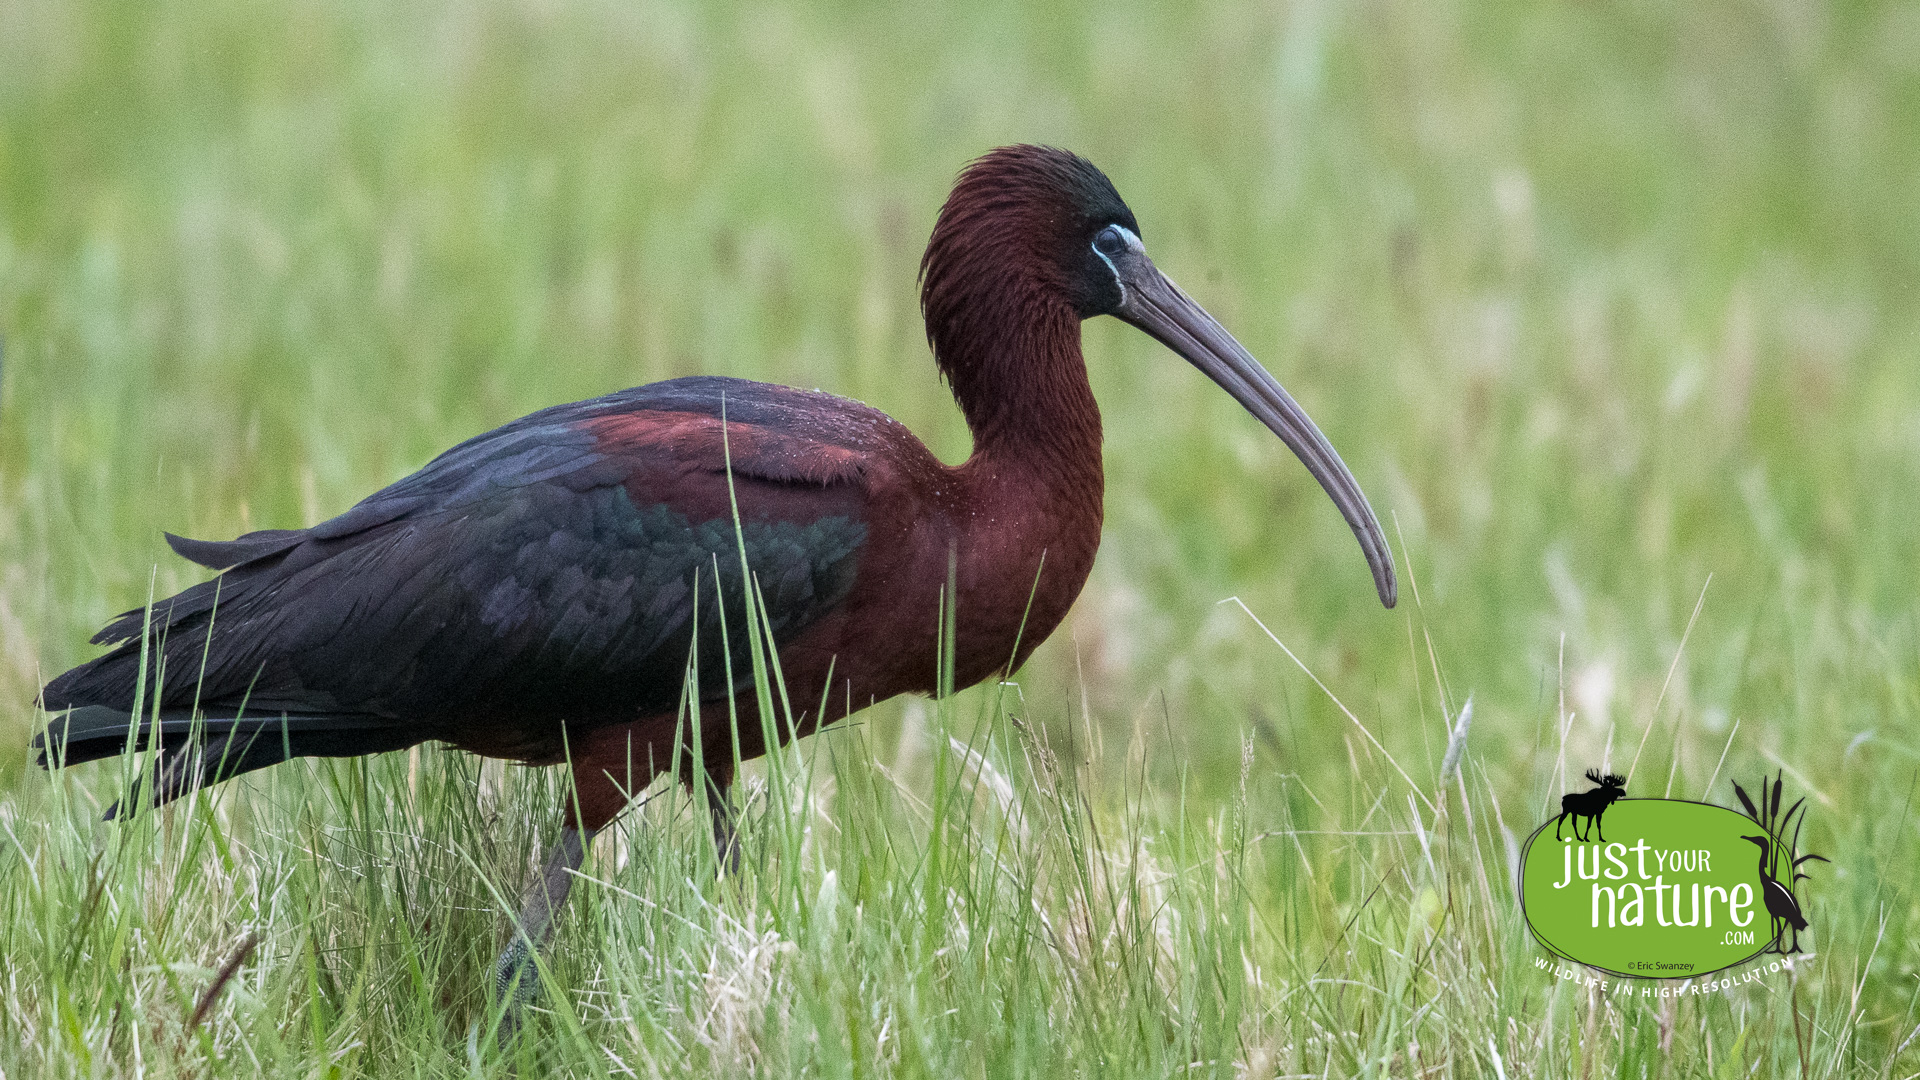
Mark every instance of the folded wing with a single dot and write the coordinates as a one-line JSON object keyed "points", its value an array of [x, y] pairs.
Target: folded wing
{"points": [[561, 569]]}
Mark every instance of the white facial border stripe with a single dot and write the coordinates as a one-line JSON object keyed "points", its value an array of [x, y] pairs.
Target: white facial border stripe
{"points": [[1133, 244]]}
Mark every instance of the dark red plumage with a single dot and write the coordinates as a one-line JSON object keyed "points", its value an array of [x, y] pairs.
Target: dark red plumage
{"points": [[537, 591]]}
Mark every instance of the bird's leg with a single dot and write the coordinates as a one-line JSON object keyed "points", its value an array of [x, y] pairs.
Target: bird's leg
{"points": [[726, 838], [533, 928], [610, 765]]}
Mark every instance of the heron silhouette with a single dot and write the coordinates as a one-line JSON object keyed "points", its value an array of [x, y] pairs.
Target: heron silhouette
{"points": [[1779, 899]]}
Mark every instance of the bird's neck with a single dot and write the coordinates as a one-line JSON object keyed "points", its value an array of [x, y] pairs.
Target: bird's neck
{"points": [[1029, 499], [1021, 382]]}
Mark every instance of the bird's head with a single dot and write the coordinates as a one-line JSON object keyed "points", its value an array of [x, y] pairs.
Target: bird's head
{"points": [[1761, 840], [1033, 231]]}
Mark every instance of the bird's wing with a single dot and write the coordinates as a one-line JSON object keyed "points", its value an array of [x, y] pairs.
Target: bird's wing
{"points": [[561, 565]]}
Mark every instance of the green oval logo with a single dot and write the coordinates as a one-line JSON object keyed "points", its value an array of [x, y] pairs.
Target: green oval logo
{"points": [[1651, 888]]}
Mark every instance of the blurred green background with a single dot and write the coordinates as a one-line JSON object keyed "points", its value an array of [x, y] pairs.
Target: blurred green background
{"points": [[1597, 299]]}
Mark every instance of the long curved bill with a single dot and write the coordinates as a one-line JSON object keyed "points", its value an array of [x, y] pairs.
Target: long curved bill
{"points": [[1156, 305]]}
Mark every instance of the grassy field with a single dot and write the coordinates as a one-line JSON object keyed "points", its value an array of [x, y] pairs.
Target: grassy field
{"points": [[1611, 306]]}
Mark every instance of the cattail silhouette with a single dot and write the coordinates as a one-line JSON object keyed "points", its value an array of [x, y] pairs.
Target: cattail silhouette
{"points": [[1590, 804]]}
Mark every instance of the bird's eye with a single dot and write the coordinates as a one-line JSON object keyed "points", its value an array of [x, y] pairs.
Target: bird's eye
{"points": [[1110, 241]]}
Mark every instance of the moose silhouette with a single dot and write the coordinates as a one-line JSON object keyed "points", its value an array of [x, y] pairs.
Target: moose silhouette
{"points": [[1590, 804]]}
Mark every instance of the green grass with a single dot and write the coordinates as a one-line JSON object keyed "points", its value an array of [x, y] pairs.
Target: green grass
{"points": [[1598, 300]]}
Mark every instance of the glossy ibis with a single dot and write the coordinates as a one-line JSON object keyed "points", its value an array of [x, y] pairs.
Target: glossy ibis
{"points": [[1778, 898], [537, 592]]}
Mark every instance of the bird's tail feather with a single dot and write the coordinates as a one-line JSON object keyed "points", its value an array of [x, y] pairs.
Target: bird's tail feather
{"points": [[197, 751]]}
